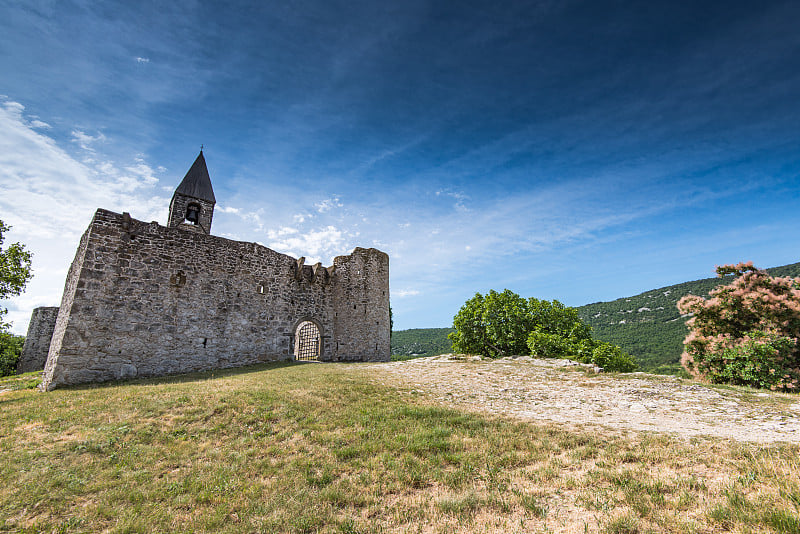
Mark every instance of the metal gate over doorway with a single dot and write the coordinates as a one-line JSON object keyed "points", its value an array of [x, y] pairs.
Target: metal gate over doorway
{"points": [[307, 342]]}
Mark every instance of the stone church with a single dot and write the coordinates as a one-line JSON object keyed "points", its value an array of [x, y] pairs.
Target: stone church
{"points": [[144, 300]]}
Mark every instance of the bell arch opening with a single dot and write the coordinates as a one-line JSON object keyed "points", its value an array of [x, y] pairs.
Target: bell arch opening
{"points": [[193, 213], [307, 342]]}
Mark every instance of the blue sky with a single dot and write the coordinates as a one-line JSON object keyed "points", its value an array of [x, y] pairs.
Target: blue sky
{"points": [[582, 150]]}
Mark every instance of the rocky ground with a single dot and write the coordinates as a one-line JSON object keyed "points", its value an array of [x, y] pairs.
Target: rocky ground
{"points": [[574, 394]]}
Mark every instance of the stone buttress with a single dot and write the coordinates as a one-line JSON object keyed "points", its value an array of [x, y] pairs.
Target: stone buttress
{"points": [[37, 340]]}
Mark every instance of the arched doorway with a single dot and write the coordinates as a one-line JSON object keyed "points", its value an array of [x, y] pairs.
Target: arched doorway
{"points": [[307, 342]]}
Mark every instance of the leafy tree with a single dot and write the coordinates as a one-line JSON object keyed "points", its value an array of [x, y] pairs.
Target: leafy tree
{"points": [[507, 321], [546, 345], [558, 332], [493, 325], [15, 272], [556, 318], [502, 324], [10, 351], [561, 334], [470, 333], [747, 332]]}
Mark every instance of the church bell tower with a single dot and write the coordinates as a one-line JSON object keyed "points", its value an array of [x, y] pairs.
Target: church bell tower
{"points": [[192, 205]]}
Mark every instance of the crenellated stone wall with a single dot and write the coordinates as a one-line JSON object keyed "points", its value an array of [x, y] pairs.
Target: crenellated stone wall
{"points": [[37, 341], [146, 300]]}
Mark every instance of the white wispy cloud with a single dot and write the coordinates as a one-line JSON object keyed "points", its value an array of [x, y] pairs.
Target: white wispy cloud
{"points": [[252, 217], [49, 196], [281, 232], [85, 141], [328, 204], [401, 293], [142, 60], [460, 198], [226, 209], [315, 245]]}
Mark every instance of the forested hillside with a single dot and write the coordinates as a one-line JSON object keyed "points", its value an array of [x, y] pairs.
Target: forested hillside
{"points": [[649, 326], [419, 342]]}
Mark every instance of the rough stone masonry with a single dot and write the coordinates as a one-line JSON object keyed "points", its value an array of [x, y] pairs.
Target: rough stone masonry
{"points": [[37, 342], [144, 300]]}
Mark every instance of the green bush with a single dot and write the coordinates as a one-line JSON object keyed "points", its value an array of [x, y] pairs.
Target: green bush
{"points": [[611, 358], [544, 345], [606, 355], [10, 351], [759, 361], [547, 345]]}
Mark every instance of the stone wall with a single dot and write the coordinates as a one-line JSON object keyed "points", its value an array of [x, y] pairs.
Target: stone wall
{"points": [[146, 300], [64, 311], [361, 316], [37, 341]]}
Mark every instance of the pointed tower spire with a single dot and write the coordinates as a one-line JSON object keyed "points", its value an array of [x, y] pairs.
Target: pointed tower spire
{"points": [[193, 201]]}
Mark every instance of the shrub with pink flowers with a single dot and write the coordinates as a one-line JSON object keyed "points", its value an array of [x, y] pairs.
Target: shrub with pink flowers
{"points": [[746, 332]]}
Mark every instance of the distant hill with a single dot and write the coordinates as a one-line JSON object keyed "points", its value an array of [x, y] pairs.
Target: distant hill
{"points": [[648, 325], [419, 342]]}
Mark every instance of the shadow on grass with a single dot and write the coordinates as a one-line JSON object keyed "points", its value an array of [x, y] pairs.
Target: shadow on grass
{"points": [[33, 379], [183, 378], [186, 377]]}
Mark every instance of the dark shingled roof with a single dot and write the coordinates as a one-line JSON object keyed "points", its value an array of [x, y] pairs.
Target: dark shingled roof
{"points": [[197, 183]]}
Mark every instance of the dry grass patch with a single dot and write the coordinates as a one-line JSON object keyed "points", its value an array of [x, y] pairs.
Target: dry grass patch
{"points": [[320, 448]]}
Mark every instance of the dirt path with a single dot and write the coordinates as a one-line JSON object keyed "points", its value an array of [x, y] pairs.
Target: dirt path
{"points": [[554, 390]]}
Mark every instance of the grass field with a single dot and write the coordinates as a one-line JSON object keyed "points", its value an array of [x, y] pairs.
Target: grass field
{"points": [[325, 448]]}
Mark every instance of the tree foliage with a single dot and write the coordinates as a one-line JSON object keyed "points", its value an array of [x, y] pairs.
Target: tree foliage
{"points": [[557, 331], [504, 324], [15, 270], [747, 332], [10, 351], [493, 325]]}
